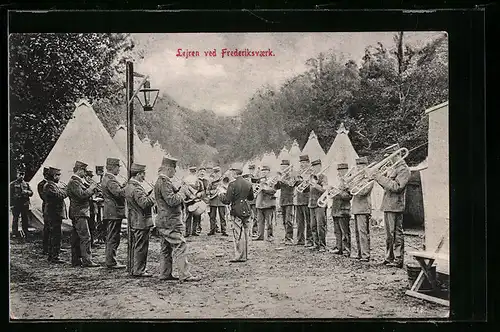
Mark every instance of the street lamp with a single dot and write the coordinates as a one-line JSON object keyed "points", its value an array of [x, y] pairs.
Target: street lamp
{"points": [[146, 93]]}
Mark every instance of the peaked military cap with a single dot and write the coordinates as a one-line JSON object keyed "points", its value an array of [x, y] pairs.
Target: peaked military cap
{"points": [[54, 171], [137, 168], [202, 168], [316, 162], [89, 172], [192, 168], [285, 162], [342, 166], [112, 162], [266, 168], [362, 161], [169, 161], [237, 167], [46, 170], [304, 157], [80, 164]]}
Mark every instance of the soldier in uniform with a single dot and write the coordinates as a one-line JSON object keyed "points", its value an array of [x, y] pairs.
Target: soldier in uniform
{"points": [[266, 205], [169, 198], [192, 220], [237, 195], [202, 176], [318, 214], [20, 193], [341, 213], [216, 205], [89, 174], [55, 212], [362, 209], [286, 203], [393, 205], [303, 216], [140, 206], [114, 210], [253, 218], [46, 226], [79, 194]]}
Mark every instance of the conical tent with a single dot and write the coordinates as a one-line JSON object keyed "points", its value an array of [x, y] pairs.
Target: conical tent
{"points": [[120, 140], [148, 160], [313, 149], [294, 154], [85, 139], [283, 155]]}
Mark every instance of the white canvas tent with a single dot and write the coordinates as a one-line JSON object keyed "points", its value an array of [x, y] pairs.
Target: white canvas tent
{"points": [[435, 182], [294, 154], [283, 155], [85, 139], [313, 149]]}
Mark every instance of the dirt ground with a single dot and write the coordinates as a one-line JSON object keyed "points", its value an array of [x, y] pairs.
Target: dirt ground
{"points": [[276, 282]]}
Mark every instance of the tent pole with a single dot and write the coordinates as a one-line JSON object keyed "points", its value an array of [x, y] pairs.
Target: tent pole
{"points": [[130, 152]]}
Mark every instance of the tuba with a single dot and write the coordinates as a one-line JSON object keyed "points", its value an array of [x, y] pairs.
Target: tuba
{"points": [[365, 177]]}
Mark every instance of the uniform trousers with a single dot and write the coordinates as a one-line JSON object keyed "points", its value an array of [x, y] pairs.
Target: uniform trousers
{"points": [[362, 229], [92, 224], [342, 233], [192, 223], [173, 251], [46, 231], [213, 218], [54, 245], [318, 227], [265, 217], [113, 240], [241, 233], [303, 225], [287, 213], [80, 242], [253, 219], [140, 247], [23, 211], [395, 244]]}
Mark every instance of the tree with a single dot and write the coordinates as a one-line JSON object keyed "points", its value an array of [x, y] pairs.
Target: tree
{"points": [[48, 74]]}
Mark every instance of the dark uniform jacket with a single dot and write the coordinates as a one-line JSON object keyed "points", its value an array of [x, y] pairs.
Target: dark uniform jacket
{"points": [[317, 190], [169, 202], [20, 193], [341, 205], [139, 204], [286, 195], [212, 190], [55, 207], [265, 199], [395, 188], [204, 183], [238, 190], [114, 197], [78, 197], [362, 202], [39, 188], [253, 180]]}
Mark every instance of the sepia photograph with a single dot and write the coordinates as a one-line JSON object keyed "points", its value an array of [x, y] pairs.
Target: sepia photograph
{"points": [[229, 175]]}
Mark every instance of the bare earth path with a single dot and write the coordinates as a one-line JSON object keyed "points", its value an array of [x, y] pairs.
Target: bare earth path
{"points": [[276, 282]]}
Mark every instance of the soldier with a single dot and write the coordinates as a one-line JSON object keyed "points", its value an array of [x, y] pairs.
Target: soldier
{"points": [[46, 226], [237, 195], [302, 211], [114, 211], [79, 194], [341, 209], [216, 204], [253, 218], [20, 193], [393, 205], [286, 202], [89, 174], [318, 214], [140, 206], [266, 205], [202, 176], [362, 209], [197, 189], [55, 212], [169, 224]]}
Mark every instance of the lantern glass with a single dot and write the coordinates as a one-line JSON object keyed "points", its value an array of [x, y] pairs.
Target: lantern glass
{"points": [[147, 97]]}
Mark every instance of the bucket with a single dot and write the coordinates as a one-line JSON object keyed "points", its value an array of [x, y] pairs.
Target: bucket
{"points": [[413, 271]]}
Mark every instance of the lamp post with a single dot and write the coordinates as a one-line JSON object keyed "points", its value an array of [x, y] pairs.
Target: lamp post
{"points": [[145, 96]]}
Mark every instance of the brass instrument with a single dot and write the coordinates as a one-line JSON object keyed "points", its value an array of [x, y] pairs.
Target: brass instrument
{"points": [[327, 195], [365, 177], [91, 181], [306, 183], [221, 187]]}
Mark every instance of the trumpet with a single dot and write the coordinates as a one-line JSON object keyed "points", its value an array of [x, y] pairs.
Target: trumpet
{"points": [[306, 183], [365, 177]]}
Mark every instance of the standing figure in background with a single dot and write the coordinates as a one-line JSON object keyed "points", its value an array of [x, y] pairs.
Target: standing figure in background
{"points": [[362, 209], [266, 205], [216, 205], [202, 176], [89, 174], [140, 206], [341, 213], [318, 214], [46, 226], [55, 212], [393, 205], [253, 219], [20, 193], [79, 193], [303, 216], [197, 189], [114, 211], [286, 202]]}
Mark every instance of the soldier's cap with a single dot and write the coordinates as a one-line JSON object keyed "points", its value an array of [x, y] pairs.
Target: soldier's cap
{"points": [[112, 162], [46, 170], [251, 166], [169, 162], [316, 162], [304, 157], [217, 168], [342, 166], [246, 175], [192, 168], [362, 161], [136, 168], [80, 165], [285, 162], [265, 168], [54, 171]]}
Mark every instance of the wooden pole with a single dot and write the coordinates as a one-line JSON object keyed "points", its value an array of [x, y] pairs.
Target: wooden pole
{"points": [[130, 152]]}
